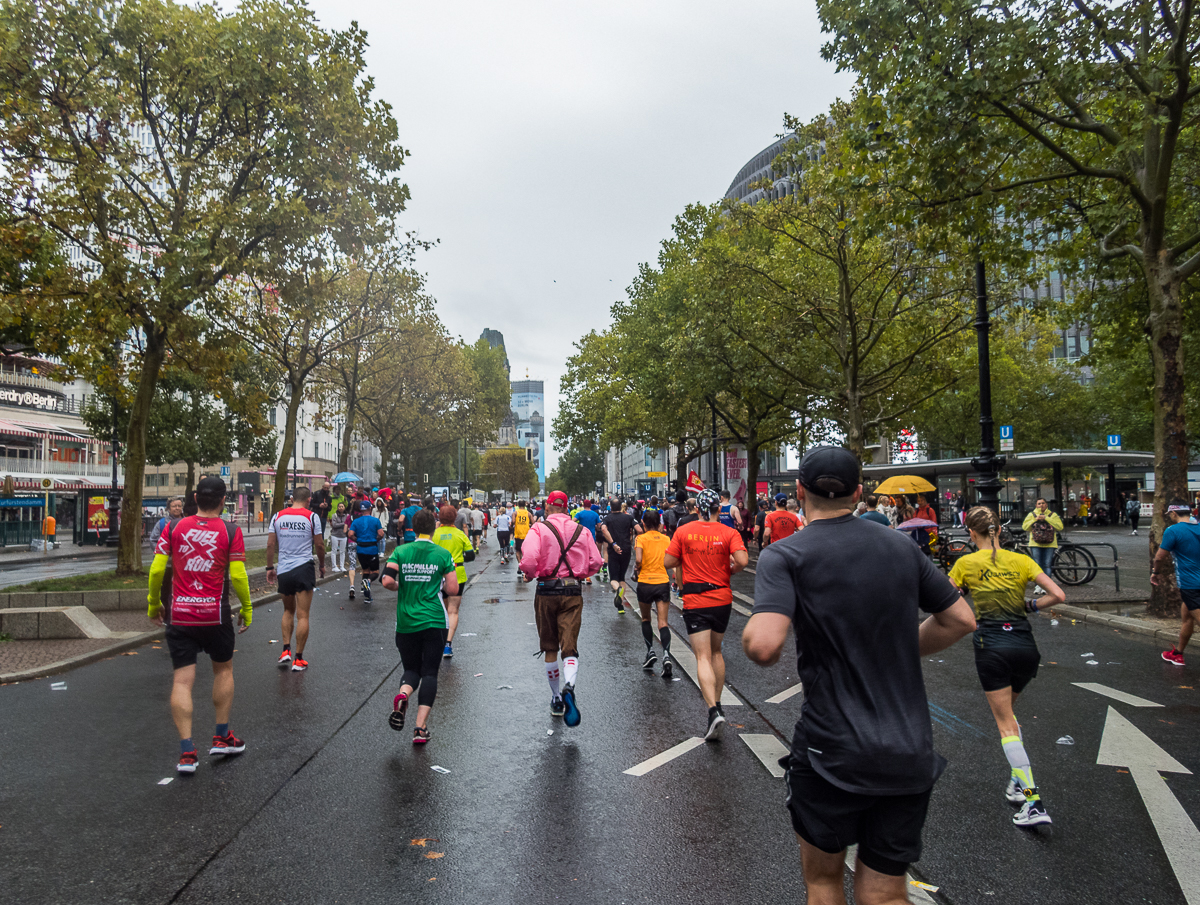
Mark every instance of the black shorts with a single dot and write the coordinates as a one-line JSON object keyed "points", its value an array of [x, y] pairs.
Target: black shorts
{"points": [[1190, 597], [707, 618], [649, 593], [301, 578], [517, 541], [368, 562], [475, 532], [1002, 667], [502, 538], [185, 643], [618, 563], [887, 828]]}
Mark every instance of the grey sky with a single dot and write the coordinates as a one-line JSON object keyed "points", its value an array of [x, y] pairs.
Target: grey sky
{"points": [[553, 143]]}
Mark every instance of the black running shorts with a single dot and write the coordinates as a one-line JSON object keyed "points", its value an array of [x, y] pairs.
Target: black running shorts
{"points": [[618, 563], [707, 618], [294, 581], [1191, 598], [649, 593], [517, 541], [1002, 667], [887, 828], [368, 562], [186, 643]]}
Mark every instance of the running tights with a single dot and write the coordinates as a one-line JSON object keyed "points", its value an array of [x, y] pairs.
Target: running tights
{"points": [[421, 654]]}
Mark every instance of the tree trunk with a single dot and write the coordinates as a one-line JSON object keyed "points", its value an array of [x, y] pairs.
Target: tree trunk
{"points": [[1170, 422], [749, 503], [348, 430], [681, 463], [129, 552], [285, 452], [191, 479]]}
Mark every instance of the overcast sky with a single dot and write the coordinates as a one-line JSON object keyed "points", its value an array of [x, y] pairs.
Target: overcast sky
{"points": [[553, 143]]}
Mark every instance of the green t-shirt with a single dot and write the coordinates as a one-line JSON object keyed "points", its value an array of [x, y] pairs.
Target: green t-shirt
{"points": [[419, 570], [456, 544]]}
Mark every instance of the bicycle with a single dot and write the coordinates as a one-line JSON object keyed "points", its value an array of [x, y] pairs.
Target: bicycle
{"points": [[1072, 565]]}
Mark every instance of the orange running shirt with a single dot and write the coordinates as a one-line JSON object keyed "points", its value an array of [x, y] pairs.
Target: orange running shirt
{"points": [[704, 549], [782, 524], [653, 545]]}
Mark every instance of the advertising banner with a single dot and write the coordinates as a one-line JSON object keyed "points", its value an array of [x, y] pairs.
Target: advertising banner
{"points": [[97, 514], [736, 470]]}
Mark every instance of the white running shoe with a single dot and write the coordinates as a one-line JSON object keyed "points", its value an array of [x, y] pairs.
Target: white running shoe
{"points": [[1032, 813], [1013, 791]]}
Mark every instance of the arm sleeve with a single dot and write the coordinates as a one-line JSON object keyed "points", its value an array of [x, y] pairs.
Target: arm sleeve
{"points": [[774, 585], [241, 586], [158, 569]]}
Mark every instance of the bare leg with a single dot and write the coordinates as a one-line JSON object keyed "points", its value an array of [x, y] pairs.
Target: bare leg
{"points": [[451, 621], [303, 602], [222, 690], [664, 607], [824, 875], [874, 888], [710, 665], [423, 715], [181, 699], [1186, 626], [289, 617]]}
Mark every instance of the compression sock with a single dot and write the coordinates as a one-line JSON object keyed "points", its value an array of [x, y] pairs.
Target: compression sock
{"points": [[552, 677], [1022, 772], [570, 669], [222, 730], [664, 635], [185, 745], [647, 633]]}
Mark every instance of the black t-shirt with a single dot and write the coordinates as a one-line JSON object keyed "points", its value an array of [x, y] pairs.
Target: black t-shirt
{"points": [[852, 589], [620, 526], [685, 519]]}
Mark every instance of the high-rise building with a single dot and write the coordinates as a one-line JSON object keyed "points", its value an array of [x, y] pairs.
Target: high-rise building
{"points": [[529, 404], [496, 339]]}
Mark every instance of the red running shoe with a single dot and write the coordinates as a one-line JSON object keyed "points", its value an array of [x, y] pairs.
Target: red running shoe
{"points": [[227, 744], [299, 664], [399, 708], [286, 657], [1173, 656], [187, 761]]}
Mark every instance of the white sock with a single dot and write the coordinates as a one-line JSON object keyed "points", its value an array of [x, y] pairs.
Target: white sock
{"points": [[1018, 761], [552, 677], [570, 669]]}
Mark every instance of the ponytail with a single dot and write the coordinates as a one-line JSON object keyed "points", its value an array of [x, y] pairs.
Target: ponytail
{"points": [[982, 520], [992, 540]]}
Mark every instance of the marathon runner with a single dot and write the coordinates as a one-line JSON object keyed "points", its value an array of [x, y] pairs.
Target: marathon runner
{"points": [[208, 556], [521, 520], [476, 523], [587, 517], [1006, 655], [731, 516], [559, 554], [449, 537], [1181, 539], [418, 573], [653, 589], [618, 530], [367, 533], [781, 523], [709, 554], [503, 533], [294, 534]]}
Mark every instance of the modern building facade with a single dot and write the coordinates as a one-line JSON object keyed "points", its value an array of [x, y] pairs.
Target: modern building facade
{"points": [[529, 408], [761, 167]]}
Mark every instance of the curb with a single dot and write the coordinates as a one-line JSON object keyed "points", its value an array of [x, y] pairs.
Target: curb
{"points": [[118, 647], [1122, 623], [65, 557]]}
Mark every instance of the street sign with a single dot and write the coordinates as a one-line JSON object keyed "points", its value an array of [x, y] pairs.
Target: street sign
{"points": [[599, 485], [47, 484], [1114, 442], [616, 486], [224, 471], [1006, 438], [656, 474]]}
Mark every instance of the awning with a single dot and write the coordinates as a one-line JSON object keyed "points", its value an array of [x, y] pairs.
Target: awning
{"points": [[1030, 461], [53, 431], [13, 429]]}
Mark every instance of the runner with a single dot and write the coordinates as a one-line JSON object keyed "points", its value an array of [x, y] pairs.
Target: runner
{"points": [[351, 552], [503, 533], [672, 516], [618, 530], [862, 764], [449, 537], [208, 556], [476, 523], [731, 516], [366, 532], [589, 518], [1181, 539], [781, 523], [709, 554], [559, 554], [405, 533], [293, 536], [653, 589], [1006, 655], [418, 572], [521, 521]]}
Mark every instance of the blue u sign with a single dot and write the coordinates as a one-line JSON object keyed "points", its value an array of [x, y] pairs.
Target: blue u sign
{"points": [[1114, 439], [1006, 432]]}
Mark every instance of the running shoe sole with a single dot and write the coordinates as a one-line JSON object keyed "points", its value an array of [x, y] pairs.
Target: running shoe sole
{"points": [[421, 739], [557, 708], [283, 661], [447, 652], [571, 715], [296, 667], [396, 717], [667, 667], [714, 728], [651, 659], [188, 768], [227, 749], [1034, 817], [1166, 655], [1014, 794]]}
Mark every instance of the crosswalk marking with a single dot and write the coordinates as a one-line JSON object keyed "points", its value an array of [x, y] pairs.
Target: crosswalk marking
{"points": [[768, 749], [1123, 697], [665, 757], [682, 654], [786, 693], [741, 609]]}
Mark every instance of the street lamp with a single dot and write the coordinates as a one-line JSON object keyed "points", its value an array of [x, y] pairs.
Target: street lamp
{"points": [[987, 463]]}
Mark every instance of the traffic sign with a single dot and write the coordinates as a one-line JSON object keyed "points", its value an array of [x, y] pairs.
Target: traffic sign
{"points": [[1006, 438], [1114, 442], [616, 486], [656, 474], [224, 471]]}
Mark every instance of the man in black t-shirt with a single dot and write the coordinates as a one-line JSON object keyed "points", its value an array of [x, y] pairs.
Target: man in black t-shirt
{"points": [[617, 531], [862, 765]]}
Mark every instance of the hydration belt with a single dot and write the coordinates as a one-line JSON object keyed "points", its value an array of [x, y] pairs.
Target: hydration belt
{"points": [[559, 587], [700, 587]]}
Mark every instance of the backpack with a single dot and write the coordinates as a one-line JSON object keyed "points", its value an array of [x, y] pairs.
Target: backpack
{"points": [[1041, 532], [1132, 506]]}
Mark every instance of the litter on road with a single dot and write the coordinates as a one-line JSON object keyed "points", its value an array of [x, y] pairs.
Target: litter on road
{"points": [[1088, 654], [436, 769], [166, 782], [1093, 662], [1066, 740]]}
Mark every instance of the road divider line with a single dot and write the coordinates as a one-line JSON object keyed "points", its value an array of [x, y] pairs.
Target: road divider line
{"points": [[682, 654], [768, 749], [1116, 695], [787, 693], [741, 609], [665, 757]]}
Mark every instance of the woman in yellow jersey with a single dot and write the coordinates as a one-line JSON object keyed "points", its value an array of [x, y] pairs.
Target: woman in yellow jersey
{"points": [[460, 547], [1006, 656], [653, 587]]}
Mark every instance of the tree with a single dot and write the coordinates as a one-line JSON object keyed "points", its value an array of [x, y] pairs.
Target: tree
{"points": [[1085, 114], [169, 145], [513, 472], [580, 468]]}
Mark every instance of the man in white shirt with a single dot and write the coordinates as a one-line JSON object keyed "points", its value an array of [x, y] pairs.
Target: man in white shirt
{"points": [[294, 534], [476, 523]]}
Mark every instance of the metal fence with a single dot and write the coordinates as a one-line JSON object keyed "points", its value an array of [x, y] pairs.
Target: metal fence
{"points": [[19, 533]]}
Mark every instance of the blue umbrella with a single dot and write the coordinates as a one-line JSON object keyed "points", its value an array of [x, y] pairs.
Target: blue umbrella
{"points": [[345, 477]]}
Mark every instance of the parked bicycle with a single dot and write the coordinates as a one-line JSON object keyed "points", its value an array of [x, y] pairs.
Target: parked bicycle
{"points": [[1072, 565]]}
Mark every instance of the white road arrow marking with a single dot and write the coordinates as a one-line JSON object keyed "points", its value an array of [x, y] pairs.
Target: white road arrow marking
{"points": [[1124, 745], [1123, 697], [785, 694], [768, 749], [665, 757]]}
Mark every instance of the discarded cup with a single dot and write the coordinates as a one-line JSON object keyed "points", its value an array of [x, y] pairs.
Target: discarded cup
{"points": [[437, 769], [1093, 662], [1066, 740], [1054, 622], [549, 732], [1088, 654]]}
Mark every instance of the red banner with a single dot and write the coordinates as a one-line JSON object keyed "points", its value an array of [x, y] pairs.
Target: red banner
{"points": [[694, 483], [97, 514]]}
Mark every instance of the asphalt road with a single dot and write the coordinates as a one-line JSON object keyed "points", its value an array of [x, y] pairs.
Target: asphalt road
{"points": [[329, 805]]}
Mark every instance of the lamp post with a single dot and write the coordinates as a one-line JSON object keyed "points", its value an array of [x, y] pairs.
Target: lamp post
{"points": [[716, 466], [987, 463]]}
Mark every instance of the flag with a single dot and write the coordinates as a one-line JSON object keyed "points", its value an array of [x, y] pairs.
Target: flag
{"points": [[694, 483]]}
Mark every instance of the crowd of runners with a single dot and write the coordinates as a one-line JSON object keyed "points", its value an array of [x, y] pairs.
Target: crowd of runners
{"points": [[862, 764]]}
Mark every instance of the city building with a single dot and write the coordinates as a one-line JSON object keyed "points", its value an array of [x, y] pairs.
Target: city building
{"points": [[762, 167], [529, 408]]}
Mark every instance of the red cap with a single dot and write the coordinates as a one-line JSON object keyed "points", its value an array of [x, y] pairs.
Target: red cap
{"points": [[558, 498]]}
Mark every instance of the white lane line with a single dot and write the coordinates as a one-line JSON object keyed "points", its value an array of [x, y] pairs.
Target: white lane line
{"points": [[741, 609], [682, 654], [784, 695], [665, 758], [768, 749], [1123, 697]]}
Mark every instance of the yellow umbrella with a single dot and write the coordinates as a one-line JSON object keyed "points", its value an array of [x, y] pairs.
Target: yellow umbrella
{"points": [[904, 483]]}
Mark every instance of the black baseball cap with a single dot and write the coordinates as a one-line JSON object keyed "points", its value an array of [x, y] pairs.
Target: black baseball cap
{"points": [[833, 467], [211, 487]]}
